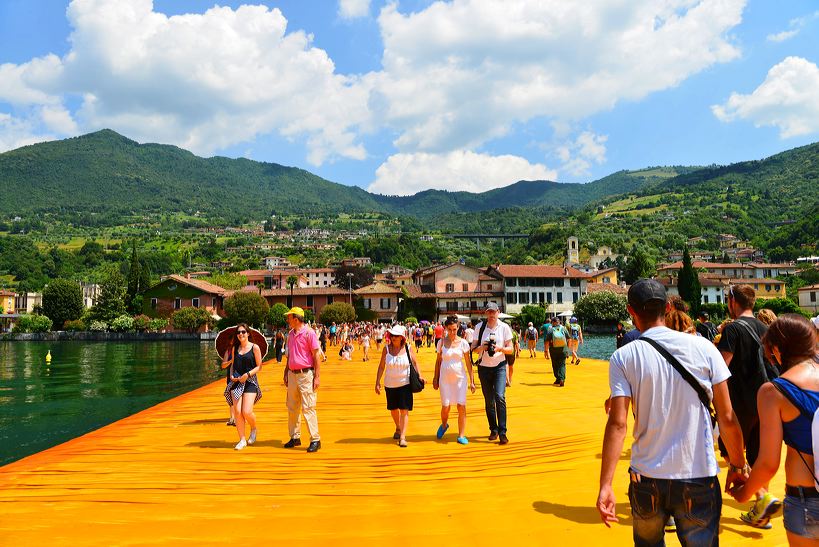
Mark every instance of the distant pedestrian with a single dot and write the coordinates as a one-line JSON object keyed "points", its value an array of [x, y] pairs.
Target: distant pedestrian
{"points": [[395, 362], [705, 327], [279, 345], [556, 343], [619, 335], [452, 366], [575, 339], [531, 336], [301, 376]]}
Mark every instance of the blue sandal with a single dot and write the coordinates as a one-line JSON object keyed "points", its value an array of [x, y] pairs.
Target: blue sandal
{"points": [[463, 440], [441, 430]]}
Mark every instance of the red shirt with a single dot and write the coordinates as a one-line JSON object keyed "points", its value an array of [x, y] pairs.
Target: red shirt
{"points": [[439, 331]]}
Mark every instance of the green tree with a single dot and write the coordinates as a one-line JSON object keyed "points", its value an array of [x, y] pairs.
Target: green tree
{"points": [[361, 277], [276, 315], [62, 301], [191, 319], [111, 301], [231, 282], [534, 314], [778, 305], [246, 307], [337, 312], [603, 307], [639, 265], [689, 283], [33, 323], [134, 281]]}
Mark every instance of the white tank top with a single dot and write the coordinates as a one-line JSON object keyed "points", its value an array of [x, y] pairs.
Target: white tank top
{"points": [[396, 369]]}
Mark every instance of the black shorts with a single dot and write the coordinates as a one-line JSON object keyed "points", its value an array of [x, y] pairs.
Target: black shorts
{"points": [[250, 388], [399, 398], [510, 360]]}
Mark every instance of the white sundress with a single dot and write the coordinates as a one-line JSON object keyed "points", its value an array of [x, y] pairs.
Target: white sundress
{"points": [[452, 380]]}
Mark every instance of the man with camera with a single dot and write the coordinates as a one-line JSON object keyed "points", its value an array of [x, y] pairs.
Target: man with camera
{"points": [[493, 342]]}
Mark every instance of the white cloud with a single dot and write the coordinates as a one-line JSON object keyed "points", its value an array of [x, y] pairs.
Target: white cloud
{"points": [[461, 73], [795, 27], [787, 99], [405, 174], [579, 155], [352, 9], [17, 132], [201, 81]]}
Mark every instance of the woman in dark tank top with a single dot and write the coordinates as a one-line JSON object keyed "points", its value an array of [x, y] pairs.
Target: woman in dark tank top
{"points": [[244, 390]]}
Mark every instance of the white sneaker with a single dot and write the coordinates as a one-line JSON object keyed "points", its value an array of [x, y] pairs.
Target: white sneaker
{"points": [[240, 445], [252, 438]]}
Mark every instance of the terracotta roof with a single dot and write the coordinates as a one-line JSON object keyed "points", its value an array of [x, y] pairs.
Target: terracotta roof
{"points": [[764, 265], [809, 288], [275, 273], [306, 291], [611, 287], [414, 291], [199, 284], [378, 288], [516, 270]]}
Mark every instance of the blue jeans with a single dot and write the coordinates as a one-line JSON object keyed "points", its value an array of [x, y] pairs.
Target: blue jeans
{"points": [[802, 516], [695, 504], [493, 387]]}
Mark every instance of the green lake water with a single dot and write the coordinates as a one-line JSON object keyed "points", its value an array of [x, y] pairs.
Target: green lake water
{"points": [[88, 385]]}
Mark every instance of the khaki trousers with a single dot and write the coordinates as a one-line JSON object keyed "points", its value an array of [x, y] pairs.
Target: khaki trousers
{"points": [[301, 399]]}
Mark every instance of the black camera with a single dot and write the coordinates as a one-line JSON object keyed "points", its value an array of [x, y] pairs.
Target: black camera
{"points": [[490, 345]]}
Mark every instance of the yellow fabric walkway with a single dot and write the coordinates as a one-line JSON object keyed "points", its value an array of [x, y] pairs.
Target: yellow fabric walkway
{"points": [[169, 475]]}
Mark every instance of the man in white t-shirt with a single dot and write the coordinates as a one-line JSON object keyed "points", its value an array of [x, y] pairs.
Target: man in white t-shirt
{"points": [[469, 333], [493, 342], [673, 471]]}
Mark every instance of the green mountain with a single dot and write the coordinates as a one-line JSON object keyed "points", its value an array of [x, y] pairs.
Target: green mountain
{"points": [[106, 172]]}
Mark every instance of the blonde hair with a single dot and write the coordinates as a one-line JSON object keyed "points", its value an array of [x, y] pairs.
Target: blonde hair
{"points": [[766, 316]]}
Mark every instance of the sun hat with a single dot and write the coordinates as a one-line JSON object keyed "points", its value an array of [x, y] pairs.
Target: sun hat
{"points": [[398, 330], [296, 311]]}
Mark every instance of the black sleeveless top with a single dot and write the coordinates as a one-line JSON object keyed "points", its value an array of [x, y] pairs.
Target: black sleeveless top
{"points": [[243, 364]]}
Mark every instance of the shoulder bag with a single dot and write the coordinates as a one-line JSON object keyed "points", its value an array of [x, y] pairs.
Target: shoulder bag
{"points": [[415, 383]]}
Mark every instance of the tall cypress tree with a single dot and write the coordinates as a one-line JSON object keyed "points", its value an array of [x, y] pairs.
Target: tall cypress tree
{"points": [[689, 283], [134, 281]]}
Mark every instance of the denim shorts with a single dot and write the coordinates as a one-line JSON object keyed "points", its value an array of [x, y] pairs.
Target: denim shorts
{"points": [[802, 516]]}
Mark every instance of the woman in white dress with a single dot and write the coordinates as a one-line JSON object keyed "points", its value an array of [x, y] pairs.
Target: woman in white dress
{"points": [[451, 367]]}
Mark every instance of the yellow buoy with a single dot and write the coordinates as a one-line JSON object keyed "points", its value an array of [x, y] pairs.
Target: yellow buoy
{"points": [[48, 356]]}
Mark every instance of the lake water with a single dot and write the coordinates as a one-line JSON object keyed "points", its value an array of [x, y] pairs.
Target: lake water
{"points": [[88, 385]]}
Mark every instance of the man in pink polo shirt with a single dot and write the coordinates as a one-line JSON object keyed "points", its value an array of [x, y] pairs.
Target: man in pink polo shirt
{"points": [[301, 376]]}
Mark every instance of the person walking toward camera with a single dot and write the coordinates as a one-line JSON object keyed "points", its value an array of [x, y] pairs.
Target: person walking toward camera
{"points": [[451, 367], [301, 376], [555, 342], [396, 361], [669, 379], [493, 342]]}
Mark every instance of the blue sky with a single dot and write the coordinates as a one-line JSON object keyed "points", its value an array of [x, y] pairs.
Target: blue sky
{"points": [[402, 96]]}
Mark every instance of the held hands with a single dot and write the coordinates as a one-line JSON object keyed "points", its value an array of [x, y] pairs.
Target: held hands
{"points": [[472, 385], [606, 506], [735, 483]]}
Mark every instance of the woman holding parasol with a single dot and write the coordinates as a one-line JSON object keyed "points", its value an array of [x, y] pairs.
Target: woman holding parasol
{"points": [[243, 390]]}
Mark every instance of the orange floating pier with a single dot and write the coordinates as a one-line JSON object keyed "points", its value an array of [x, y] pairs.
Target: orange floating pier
{"points": [[169, 474]]}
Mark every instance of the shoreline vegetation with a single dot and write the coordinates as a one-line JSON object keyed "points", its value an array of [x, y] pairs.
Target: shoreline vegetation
{"points": [[91, 336]]}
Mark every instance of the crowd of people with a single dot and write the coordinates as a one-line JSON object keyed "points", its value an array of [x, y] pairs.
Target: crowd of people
{"points": [[760, 373]]}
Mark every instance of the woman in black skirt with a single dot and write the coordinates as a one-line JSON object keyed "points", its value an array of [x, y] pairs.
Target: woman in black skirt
{"points": [[396, 358]]}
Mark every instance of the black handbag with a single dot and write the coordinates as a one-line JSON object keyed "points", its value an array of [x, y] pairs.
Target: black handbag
{"points": [[415, 383]]}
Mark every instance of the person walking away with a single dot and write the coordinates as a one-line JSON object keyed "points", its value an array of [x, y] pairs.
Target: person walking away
{"points": [[740, 346], [512, 357], [575, 339], [556, 343], [395, 362], [493, 343], [787, 406], [531, 340], [302, 378], [469, 333], [451, 367], [323, 340], [333, 334], [544, 331], [705, 327], [438, 332], [419, 337], [379, 336], [244, 388], [673, 469], [365, 345]]}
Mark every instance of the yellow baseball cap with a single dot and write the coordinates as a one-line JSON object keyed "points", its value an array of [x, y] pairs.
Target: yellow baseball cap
{"points": [[296, 311]]}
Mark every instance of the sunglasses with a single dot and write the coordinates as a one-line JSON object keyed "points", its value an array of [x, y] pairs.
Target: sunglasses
{"points": [[241, 332]]}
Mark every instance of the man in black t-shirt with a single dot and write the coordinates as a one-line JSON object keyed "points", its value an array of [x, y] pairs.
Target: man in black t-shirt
{"points": [[706, 328], [740, 347]]}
